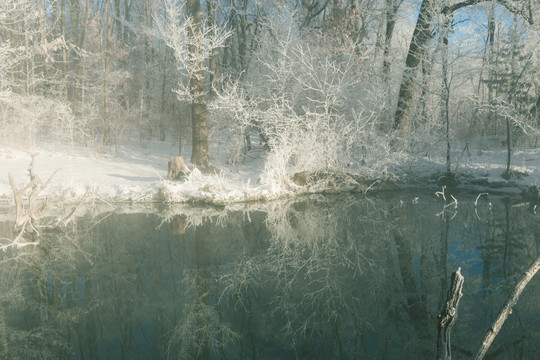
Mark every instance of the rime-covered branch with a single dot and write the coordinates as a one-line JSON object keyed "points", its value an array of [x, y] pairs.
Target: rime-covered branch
{"points": [[35, 209]]}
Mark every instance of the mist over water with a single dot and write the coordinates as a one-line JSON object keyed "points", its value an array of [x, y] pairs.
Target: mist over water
{"points": [[325, 277]]}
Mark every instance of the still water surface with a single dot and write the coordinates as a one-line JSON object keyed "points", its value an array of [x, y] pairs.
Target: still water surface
{"points": [[338, 277]]}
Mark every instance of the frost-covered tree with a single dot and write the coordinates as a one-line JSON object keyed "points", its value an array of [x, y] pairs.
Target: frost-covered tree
{"points": [[28, 112], [303, 98], [193, 43]]}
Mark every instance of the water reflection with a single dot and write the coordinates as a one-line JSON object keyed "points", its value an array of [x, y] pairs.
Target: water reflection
{"points": [[323, 277]]}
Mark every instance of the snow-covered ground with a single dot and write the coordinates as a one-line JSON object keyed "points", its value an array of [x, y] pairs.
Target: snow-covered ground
{"points": [[127, 173], [135, 174], [79, 170]]}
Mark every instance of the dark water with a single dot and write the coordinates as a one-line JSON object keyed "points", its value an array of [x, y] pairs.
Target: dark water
{"points": [[317, 278]]}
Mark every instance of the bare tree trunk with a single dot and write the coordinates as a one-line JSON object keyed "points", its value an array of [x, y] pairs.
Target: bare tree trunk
{"points": [[490, 60], [85, 24], [445, 98], [211, 7], [197, 87], [28, 64], [43, 35], [121, 24], [242, 36], [164, 93], [515, 78], [148, 56], [78, 85], [74, 17], [62, 6], [508, 172], [427, 68], [420, 38], [392, 7], [106, 69], [75, 58], [118, 19], [128, 6]]}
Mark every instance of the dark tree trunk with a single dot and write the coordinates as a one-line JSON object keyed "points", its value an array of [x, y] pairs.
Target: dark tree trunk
{"points": [[392, 7], [106, 69], [445, 98], [211, 8], [420, 38], [197, 86]]}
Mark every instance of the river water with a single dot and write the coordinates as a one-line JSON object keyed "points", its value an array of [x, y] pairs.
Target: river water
{"points": [[321, 277]]}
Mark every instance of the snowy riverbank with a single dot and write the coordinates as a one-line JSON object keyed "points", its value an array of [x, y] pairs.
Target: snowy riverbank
{"points": [[134, 174]]}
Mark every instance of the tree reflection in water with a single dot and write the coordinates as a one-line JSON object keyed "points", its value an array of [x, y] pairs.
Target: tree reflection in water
{"points": [[320, 277]]}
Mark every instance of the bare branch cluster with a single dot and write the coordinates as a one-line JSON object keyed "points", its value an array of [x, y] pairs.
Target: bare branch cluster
{"points": [[35, 208]]}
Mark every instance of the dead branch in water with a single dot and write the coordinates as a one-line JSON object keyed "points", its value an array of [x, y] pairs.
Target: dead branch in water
{"points": [[507, 308], [448, 316]]}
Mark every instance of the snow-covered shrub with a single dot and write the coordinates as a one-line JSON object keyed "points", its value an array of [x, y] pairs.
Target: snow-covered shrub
{"points": [[304, 103], [208, 188]]}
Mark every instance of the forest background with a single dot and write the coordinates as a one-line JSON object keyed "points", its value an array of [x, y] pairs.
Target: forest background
{"points": [[309, 86]]}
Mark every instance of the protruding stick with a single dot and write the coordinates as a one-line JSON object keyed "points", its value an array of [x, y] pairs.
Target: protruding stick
{"points": [[448, 316]]}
